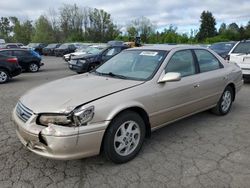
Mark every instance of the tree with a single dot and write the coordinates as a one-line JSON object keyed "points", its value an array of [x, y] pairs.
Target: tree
{"points": [[233, 27], [22, 32], [43, 31], [101, 28], [223, 28], [207, 26], [141, 26], [5, 28]]}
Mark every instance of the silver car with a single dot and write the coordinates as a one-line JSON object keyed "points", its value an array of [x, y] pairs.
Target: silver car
{"points": [[113, 108]]}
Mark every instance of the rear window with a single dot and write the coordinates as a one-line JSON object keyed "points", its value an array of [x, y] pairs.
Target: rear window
{"points": [[207, 61], [242, 47], [6, 53]]}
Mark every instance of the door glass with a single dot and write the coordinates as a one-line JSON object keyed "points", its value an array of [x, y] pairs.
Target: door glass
{"points": [[6, 53], [207, 61], [113, 51], [19, 53], [243, 47], [181, 62]]}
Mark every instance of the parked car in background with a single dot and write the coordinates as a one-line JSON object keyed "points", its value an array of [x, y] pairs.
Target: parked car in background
{"points": [[94, 58], [9, 68], [2, 41], [65, 48], [240, 54], [115, 43], [222, 48], [37, 47], [82, 51], [50, 49], [13, 45], [28, 59], [113, 108]]}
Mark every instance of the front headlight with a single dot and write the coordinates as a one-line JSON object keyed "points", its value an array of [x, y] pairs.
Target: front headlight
{"points": [[78, 117], [83, 115], [82, 61], [57, 119]]}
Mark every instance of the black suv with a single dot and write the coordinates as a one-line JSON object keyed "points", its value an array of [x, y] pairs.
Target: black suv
{"points": [[29, 60], [65, 48], [222, 48], [50, 49], [8, 68], [87, 62]]}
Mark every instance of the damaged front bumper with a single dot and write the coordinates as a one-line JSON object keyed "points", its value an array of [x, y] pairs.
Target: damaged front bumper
{"points": [[58, 142]]}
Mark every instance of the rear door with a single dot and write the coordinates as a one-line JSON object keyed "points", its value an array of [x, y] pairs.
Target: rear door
{"points": [[24, 58], [212, 77]]}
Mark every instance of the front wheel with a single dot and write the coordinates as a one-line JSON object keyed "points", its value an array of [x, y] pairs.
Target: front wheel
{"points": [[33, 67], [124, 137], [225, 102], [4, 76]]}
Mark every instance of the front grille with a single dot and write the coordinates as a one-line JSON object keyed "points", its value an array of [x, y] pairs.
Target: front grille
{"points": [[23, 112]]}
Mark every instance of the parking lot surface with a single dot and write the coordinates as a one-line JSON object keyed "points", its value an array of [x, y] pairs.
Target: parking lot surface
{"points": [[200, 151]]}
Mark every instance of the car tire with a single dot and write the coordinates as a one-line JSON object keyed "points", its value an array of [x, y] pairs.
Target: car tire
{"points": [[124, 137], [33, 67], [4, 76], [225, 102]]}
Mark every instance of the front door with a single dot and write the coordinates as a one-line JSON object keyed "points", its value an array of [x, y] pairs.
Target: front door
{"points": [[179, 98]]}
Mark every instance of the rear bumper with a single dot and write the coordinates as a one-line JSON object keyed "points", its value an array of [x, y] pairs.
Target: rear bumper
{"points": [[16, 72]]}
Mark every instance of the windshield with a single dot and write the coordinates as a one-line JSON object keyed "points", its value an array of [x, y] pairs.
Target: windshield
{"points": [[92, 50], [222, 46], [63, 46], [33, 44], [51, 46], [133, 64]]}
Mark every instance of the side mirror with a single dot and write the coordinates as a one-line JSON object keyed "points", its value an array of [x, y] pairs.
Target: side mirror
{"points": [[170, 77]]}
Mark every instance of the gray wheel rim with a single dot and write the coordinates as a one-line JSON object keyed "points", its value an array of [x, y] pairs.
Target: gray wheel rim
{"points": [[3, 77], [226, 101], [33, 67], [127, 138]]}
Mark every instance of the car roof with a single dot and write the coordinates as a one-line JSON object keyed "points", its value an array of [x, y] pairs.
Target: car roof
{"points": [[9, 49], [166, 47]]}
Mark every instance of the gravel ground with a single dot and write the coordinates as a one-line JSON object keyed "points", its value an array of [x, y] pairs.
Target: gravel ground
{"points": [[200, 151]]}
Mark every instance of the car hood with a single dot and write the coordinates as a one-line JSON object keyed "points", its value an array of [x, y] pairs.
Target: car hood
{"points": [[67, 93], [84, 56]]}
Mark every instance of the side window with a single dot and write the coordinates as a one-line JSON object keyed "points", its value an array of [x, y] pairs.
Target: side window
{"points": [[182, 62], [242, 47], [112, 51], [207, 61], [19, 53], [6, 53]]}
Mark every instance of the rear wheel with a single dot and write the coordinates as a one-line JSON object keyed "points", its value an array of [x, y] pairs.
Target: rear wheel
{"points": [[225, 102], [33, 67], [124, 137], [4, 76]]}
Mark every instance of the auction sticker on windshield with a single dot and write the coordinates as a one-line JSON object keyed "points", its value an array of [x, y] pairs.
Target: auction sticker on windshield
{"points": [[149, 53]]}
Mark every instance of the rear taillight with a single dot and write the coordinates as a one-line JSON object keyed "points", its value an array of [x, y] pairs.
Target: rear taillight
{"points": [[12, 60]]}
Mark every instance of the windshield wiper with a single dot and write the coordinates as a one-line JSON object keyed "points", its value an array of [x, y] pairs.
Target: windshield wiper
{"points": [[111, 74]]}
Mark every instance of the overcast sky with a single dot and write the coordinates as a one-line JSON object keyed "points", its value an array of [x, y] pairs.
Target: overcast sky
{"points": [[183, 14]]}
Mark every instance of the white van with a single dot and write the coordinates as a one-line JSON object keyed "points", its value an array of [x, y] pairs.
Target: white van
{"points": [[240, 54]]}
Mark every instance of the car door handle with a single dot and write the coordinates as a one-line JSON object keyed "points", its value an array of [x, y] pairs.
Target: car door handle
{"points": [[196, 85]]}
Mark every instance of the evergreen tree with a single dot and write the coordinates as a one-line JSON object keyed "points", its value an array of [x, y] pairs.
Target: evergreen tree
{"points": [[207, 27]]}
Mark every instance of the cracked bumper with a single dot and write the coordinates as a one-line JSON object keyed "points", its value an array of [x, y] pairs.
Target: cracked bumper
{"points": [[71, 143]]}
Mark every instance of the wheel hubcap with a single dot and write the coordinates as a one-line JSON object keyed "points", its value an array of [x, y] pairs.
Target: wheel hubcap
{"points": [[226, 101], [127, 138], [3, 76], [33, 67]]}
